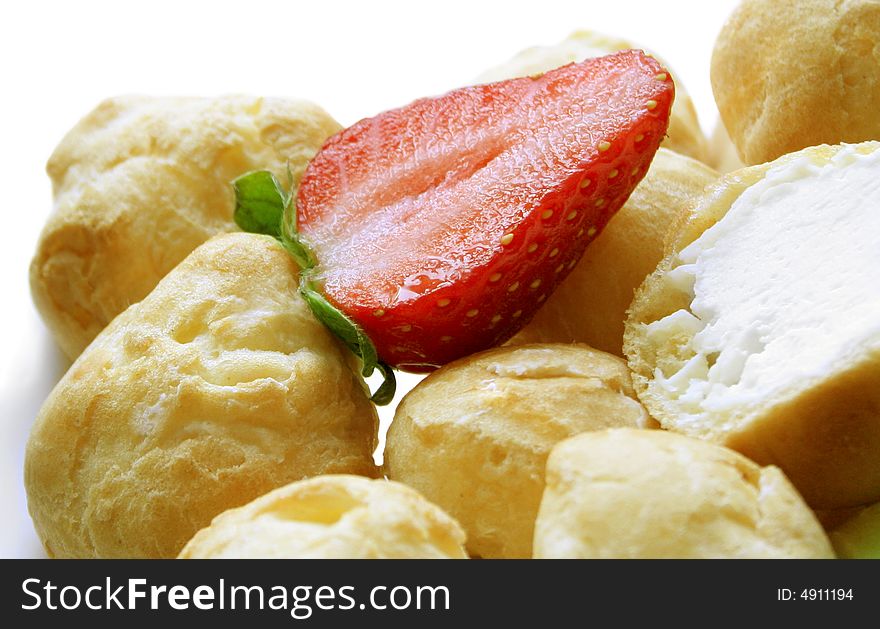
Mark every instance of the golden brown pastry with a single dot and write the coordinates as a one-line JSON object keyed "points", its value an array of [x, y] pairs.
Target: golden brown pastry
{"points": [[788, 74], [474, 435], [216, 388], [140, 182], [759, 329], [644, 494], [722, 153], [590, 305], [684, 135], [332, 517]]}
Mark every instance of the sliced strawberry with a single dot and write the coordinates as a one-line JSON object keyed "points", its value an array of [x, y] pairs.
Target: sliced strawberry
{"points": [[442, 226]]}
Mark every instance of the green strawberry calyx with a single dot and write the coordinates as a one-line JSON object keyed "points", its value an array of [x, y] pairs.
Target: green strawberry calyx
{"points": [[262, 206]]}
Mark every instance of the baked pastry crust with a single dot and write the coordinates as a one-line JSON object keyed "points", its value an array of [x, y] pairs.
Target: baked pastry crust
{"points": [[332, 517], [788, 74], [139, 183], [722, 153], [644, 494], [824, 433], [474, 435], [216, 388]]}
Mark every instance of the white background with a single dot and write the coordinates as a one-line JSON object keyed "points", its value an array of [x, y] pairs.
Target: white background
{"points": [[353, 58]]}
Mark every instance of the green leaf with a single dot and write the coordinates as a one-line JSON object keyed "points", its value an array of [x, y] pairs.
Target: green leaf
{"points": [[385, 393], [353, 337], [332, 317], [367, 352], [297, 248], [289, 177], [259, 203], [292, 240]]}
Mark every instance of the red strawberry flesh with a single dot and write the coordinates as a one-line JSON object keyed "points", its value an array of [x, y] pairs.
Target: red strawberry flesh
{"points": [[442, 226]]}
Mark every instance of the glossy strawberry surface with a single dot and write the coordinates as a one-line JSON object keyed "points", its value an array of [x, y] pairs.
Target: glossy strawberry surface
{"points": [[442, 226]]}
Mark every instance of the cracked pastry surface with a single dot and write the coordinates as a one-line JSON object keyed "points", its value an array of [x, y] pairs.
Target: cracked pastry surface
{"points": [[639, 494], [140, 182], [474, 435], [216, 388], [633, 494], [332, 517], [788, 74]]}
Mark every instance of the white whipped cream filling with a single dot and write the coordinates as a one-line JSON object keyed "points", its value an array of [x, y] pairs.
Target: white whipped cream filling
{"points": [[785, 286]]}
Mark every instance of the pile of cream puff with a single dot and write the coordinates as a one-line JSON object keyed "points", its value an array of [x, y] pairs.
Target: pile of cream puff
{"points": [[705, 384]]}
